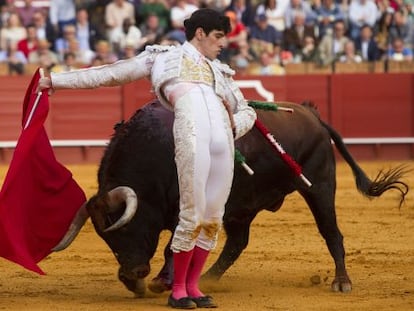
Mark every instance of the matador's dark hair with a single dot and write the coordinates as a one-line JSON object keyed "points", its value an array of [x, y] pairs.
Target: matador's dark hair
{"points": [[208, 20]]}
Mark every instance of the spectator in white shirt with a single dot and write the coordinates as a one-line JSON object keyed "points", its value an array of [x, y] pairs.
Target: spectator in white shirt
{"points": [[12, 32], [275, 11], [128, 35], [62, 13], [179, 12], [115, 13], [361, 12]]}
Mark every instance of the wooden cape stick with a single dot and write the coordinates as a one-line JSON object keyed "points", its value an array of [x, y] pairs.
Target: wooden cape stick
{"points": [[29, 118]]}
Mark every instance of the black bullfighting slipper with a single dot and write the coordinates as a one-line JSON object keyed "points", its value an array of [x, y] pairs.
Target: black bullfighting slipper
{"points": [[204, 302], [182, 303]]}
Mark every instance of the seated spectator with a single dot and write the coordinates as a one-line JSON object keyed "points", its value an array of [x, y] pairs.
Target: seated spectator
{"points": [[333, 45], [265, 66], [159, 8], [30, 43], [399, 52], [366, 46], [170, 39], [382, 31], [151, 31], [14, 58], [181, 10], [241, 61], [310, 51], [128, 51], [69, 63], [361, 12], [327, 13], [43, 56], [217, 5], [349, 55], [116, 12], [282, 56], [83, 58], [299, 7], [62, 13], [97, 61], [12, 32], [235, 38], [263, 37], [245, 11], [44, 29], [86, 32], [408, 9], [62, 43], [401, 28], [275, 11], [26, 12], [5, 10], [293, 37], [103, 50], [128, 34]]}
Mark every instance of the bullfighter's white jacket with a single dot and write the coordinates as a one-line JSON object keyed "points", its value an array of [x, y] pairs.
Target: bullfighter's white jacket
{"points": [[185, 81], [163, 65]]}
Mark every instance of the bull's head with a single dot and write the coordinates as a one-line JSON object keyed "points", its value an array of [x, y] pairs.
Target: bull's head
{"points": [[111, 214]]}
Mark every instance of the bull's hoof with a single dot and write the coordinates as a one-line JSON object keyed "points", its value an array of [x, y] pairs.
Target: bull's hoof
{"points": [[159, 285], [140, 288], [343, 285]]}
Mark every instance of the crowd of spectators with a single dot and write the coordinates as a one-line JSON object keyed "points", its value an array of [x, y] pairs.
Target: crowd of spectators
{"points": [[266, 34]]}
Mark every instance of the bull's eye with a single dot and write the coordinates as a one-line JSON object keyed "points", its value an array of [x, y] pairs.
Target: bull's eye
{"points": [[116, 255]]}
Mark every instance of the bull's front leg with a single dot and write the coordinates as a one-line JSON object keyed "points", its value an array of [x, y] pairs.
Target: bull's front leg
{"points": [[163, 281], [237, 239]]}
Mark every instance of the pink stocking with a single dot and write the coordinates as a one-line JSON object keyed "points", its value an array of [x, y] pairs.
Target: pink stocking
{"points": [[181, 266], [194, 272]]}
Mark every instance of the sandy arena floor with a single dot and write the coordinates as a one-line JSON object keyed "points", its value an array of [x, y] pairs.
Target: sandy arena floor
{"points": [[273, 273]]}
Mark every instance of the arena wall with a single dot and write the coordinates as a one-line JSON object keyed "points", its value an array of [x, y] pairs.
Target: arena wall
{"points": [[373, 112]]}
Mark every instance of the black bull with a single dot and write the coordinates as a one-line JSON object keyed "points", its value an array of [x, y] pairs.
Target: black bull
{"points": [[140, 156]]}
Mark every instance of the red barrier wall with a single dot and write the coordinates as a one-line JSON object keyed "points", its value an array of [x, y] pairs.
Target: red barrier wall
{"points": [[357, 105]]}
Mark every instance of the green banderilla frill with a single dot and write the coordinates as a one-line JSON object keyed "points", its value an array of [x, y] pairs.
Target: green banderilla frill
{"points": [[256, 104], [242, 161]]}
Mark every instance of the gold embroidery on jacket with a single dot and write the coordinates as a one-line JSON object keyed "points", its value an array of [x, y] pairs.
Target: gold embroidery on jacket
{"points": [[193, 72]]}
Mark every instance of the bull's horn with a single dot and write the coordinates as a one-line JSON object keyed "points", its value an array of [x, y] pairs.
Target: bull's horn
{"points": [[117, 196], [77, 223]]}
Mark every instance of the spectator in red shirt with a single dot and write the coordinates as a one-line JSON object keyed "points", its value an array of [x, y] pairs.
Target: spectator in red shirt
{"points": [[236, 38], [30, 43]]}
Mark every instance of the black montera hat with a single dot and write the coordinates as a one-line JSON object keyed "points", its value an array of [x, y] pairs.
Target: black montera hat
{"points": [[208, 19]]}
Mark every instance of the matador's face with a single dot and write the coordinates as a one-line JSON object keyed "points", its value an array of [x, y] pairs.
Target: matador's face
{"points": [[210, 45]]}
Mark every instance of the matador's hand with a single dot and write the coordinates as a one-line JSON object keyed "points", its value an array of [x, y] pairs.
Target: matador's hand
{"points": [[44, 83]]}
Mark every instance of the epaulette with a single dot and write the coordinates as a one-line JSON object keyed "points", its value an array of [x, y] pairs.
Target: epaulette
{"points": [[224, 67], [156, 48]]}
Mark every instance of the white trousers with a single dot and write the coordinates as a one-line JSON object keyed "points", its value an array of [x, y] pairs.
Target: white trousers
{"points": [[204, 158]]}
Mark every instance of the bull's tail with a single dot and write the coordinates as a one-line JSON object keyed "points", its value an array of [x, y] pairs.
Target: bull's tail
{"points": [[385, 180]]}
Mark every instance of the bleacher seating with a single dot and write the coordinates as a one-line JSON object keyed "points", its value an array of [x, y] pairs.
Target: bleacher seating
{"points": [[400, 66], [307, 68], [365, 67]]}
